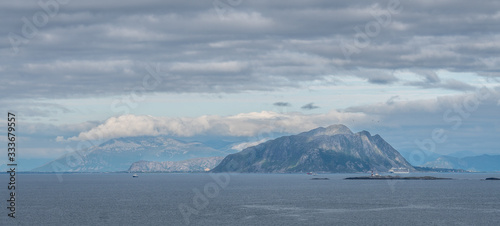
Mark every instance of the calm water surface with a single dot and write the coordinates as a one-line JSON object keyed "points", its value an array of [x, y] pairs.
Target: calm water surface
{"points": [[249, 199]]}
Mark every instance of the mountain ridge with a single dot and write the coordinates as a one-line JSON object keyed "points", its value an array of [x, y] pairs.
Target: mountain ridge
{"points": [[118, 154], [332, 149], [485, 163]]}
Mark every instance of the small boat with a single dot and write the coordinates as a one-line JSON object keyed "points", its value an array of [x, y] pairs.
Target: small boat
{"points": [[135, 175]]}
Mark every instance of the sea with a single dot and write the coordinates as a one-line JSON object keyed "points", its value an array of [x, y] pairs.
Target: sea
{"points": [[249, 199]]}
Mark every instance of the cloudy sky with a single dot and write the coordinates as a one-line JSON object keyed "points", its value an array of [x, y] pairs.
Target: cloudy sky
{"points": [[423, 74]]}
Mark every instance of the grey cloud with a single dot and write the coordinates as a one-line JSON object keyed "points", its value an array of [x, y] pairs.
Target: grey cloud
{"points": [[282, 104], [382, 79], [95, 48], [452, 84], [391, 100], [309, 106]]}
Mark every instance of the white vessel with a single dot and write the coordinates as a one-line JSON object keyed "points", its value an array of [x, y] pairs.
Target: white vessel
{"points": [[399, 170]]}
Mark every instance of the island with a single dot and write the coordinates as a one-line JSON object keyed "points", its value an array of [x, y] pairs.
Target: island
{"points": [[320, 178], [378, 177], [492, 178]]}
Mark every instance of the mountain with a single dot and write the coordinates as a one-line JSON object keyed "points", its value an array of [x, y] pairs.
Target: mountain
{"points": [[118, 154], [333, 149], [419, 160], [190, 165], [472, 163]]}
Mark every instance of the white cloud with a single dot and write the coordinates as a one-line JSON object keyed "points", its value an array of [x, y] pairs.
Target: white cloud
{"points": [[244, 125], [244, 145]]}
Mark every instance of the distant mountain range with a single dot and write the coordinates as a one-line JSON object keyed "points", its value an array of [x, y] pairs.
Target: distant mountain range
{"points": [[190, 165], [473, 163], [334, 149], [119, 154]]}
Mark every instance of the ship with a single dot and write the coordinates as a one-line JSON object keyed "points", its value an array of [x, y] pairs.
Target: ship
{"points": [[399, 170]]}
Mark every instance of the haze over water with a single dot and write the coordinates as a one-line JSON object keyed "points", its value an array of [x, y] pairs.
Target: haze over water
{"points": [[253, 199]]}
